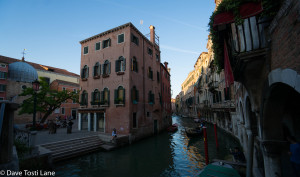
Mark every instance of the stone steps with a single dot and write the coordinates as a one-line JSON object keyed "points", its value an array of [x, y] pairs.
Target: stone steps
{"points": [[71, 148]]}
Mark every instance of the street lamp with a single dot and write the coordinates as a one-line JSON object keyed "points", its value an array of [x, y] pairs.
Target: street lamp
{"points": [[35, 87]]}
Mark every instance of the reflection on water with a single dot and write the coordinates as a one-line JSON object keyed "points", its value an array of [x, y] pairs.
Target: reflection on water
{"points": [[168, 154]]}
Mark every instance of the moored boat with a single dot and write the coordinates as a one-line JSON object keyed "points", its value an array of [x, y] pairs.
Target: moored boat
{"points": [[191, 132], [219, 169], [173, 128]]}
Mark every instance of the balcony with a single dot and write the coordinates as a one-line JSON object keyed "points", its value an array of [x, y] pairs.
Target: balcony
{"points": [[246, 42], [213, 86]]}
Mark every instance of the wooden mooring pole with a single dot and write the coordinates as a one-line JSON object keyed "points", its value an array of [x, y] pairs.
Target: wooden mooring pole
{"points": [[205, 145], [216, 135]]}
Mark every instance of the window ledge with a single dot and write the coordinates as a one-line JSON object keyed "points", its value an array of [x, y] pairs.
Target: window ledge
{"points": [[105, 75], [120, 105], [104, 105], [96, 77], [120, 73], [84, 79]]}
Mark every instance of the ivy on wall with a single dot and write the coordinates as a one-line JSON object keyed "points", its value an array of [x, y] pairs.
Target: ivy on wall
{"points": [[270, 7]]}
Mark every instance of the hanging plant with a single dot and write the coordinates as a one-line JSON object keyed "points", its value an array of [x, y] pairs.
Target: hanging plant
{"points": [[270, 7]]}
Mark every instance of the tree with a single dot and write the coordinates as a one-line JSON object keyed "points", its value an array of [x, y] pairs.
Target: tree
{"points": [[47, 99]]}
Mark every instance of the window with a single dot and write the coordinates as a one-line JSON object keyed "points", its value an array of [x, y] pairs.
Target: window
{"points": [[3, 75], [106, 68], [151, 97], [134, 95], [134, 64], [157, 76], [120, 64], [106, 43], [96, 70], [2, 88], [150, 51], [56, 111], [97, 46], [148, 114], [120, 38], [120, 95], [84, 98], [105, 97], [64, 89], [86, 50], [62, 110], [150, 73], [157, 57], [95, 97], [134, 39], [85, 72], [227, 93], [3, 65], [134, 120]]}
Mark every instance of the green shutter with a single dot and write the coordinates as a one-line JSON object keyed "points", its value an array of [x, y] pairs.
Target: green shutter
{"points": [[87, 72], [124, 64], [108, 97], [92, 98], [101, 96], [136, 66], [109, 67], [116, 96], [109, 42], [116, 64], [123, 96]]}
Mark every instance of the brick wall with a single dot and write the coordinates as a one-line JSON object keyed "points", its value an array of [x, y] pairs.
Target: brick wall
{"points": [[285, 37]]}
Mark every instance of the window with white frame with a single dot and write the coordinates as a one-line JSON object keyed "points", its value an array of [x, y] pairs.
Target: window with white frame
{"points": [[106, 43], [120, 64], [62, 110], [85, 72], [120, 38], [96, 70], [97, 46], [86, 50], [106, 68]]}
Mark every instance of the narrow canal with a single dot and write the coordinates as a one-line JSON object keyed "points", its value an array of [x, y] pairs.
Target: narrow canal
{"points": [[167, 154]]}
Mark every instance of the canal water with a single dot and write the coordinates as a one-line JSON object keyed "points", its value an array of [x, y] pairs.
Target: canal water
{"points": [[166, 155]]}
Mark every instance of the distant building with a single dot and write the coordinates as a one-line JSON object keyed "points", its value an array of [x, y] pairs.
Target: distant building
{"points": [[120, 86], [3, 80], [16, 84], [166, 93]]}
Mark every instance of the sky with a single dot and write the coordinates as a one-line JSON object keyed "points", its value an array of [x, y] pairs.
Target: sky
{"points": [[50, 30]]}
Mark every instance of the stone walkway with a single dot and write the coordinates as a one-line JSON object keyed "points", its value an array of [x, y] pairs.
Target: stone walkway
{"points": [[44, 137]]}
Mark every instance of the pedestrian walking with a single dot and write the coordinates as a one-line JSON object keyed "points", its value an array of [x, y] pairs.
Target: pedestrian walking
{"points": [[294, 154], [51, 127]]}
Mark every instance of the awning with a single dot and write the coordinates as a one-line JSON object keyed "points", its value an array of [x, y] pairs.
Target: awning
{"points": [[246, 10]]}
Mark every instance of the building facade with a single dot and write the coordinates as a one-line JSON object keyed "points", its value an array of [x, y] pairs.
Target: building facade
{"points": [[121, 83], [52, 75], [166, 94]]}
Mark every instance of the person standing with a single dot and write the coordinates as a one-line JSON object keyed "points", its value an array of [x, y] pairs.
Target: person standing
{"points": [[69, 127], [294, 154], [114, 134]]}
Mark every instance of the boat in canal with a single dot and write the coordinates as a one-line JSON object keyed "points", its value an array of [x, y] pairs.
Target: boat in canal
{"points": [[173, 128], [191, 132], [219, 169]]}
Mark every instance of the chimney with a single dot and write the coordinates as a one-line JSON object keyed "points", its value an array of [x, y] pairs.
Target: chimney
{"points": [[152, 34], [166, 65]]}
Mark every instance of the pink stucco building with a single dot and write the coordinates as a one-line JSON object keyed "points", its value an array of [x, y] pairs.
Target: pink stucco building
{"points": [[120, 83]]}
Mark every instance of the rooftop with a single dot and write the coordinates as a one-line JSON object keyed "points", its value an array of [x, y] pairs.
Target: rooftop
{"points": [[9, 60]]}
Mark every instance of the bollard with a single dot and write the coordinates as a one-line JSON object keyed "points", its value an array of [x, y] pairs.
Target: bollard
{"points": [[205, 145], [216, 135]]}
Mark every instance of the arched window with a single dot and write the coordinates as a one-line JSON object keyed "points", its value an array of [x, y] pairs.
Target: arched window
{"points": [[134, 95], [96, 70], [105, 97], [95, 97], [120, 64], [134, 64], [106, 68], [120, 95], [84, 98], [85, 72]]}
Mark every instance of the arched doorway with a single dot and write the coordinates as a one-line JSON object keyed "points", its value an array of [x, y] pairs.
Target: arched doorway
{"points": [[280, 118]]}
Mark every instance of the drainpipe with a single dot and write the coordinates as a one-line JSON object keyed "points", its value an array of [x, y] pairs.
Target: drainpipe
{"points": [[144, 79], [250, 153]]}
